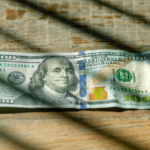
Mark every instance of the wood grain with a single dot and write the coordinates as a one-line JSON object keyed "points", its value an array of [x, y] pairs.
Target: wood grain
{"points": [[24, 29], [76, 130]]}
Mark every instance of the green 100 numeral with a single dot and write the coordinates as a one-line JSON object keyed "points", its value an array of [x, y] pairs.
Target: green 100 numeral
{"points": [[137, 98]]}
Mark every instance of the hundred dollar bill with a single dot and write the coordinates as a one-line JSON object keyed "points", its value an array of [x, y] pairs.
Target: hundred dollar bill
{"points": [[82, 80]]}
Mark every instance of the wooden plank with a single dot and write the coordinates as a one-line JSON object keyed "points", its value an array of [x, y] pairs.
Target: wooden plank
{"points": [[76, 130], [24, 29]]}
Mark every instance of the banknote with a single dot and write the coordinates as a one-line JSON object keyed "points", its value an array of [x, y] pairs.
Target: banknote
{"points": [[81, 80]]}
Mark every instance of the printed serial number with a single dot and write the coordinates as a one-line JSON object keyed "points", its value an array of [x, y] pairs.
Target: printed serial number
{"points": [[2, 69], [6, 101]]}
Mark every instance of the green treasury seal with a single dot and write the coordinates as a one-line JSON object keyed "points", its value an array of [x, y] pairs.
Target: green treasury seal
{"points": [[123, 75], [16, 78]]}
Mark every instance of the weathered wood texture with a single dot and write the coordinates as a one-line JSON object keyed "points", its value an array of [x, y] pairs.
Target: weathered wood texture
{"points": [[76, 130], [69, 26], [72, 25]]}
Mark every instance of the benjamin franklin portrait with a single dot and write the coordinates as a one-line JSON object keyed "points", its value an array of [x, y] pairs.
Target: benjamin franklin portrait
{"points": [[52, 83]]}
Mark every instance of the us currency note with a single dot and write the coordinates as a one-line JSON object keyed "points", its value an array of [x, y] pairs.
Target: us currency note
{"points": [[82, 80]]}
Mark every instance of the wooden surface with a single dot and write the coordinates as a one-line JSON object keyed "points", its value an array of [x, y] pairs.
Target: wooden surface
{"points": [[76, 130], [81, 25], [73, 25]]}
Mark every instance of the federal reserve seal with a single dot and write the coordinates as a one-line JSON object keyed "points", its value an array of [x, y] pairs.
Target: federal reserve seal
{"points": [[16, 78], [123, 75]]}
